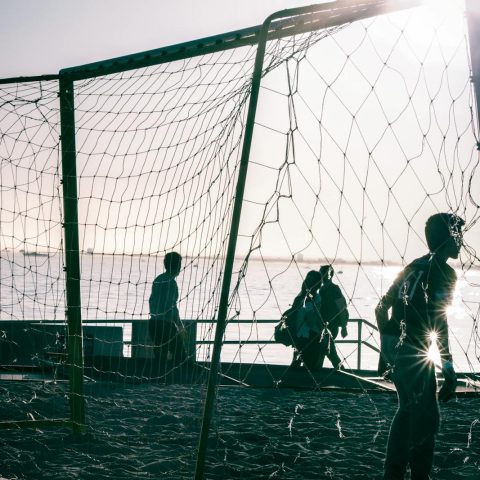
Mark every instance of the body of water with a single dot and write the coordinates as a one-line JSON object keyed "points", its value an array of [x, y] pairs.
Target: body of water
{"points": [[118, 287]]}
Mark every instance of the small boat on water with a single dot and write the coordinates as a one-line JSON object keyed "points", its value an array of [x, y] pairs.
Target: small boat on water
{"points": [[34, 253]]}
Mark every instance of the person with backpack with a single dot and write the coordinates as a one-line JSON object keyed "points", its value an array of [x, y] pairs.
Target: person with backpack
{"points": [[307, 326]]}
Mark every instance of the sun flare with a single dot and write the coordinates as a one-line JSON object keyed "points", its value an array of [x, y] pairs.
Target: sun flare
{"points": [[433, 353]]}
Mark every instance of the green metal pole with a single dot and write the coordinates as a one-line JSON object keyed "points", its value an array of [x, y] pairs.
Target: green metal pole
{"points": [[473, 19], [237, 208], [341, 11], [225, 292], [232, 242], [72, 255]]}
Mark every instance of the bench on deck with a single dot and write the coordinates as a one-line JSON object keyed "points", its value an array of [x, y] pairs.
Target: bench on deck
{"points": [[24, 342], [27, 342]]}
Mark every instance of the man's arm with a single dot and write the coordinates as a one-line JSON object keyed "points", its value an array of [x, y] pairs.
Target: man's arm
{"points": [[163, 300], [153, 301], [449, 376], [385, 303], [442, 299], [442, 337], [341, 305]]}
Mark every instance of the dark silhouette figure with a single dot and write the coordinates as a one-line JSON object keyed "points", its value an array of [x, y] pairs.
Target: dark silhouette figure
{"points": [[419, 298], [165, 326], [309, 323], [335, 315]]}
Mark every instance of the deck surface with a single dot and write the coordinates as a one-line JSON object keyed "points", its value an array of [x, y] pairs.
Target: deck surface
{"points": [[132, 371]]}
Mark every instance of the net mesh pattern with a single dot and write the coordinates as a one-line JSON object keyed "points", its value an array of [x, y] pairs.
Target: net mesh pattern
{"points": [[362, 132]]}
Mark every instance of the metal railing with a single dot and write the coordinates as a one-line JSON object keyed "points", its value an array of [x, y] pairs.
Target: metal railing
{"points": [[357, 339]]}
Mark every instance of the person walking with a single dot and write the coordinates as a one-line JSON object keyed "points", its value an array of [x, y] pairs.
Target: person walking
{"points": [[334, 313], [165, 327]]}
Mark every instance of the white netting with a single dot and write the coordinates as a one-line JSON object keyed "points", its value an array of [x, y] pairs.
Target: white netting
{"points": [[362, 132]]}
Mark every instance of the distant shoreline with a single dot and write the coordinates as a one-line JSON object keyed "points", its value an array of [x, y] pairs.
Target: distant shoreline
{"points": [[307, 261]]}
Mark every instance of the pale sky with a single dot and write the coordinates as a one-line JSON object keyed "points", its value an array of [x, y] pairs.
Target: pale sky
{"points": [[365, 170], [42, 36]]}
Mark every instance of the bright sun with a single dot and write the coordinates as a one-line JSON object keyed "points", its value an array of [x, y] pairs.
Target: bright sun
{"points": [[436, 18], [433, 353]]}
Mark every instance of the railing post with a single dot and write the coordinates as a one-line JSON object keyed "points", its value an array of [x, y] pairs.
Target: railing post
{"points": [[72, 255], [473, 20], [359, 344]]}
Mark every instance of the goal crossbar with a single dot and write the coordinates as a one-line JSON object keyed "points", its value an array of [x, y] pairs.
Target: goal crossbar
{"points": [[291, 22]]}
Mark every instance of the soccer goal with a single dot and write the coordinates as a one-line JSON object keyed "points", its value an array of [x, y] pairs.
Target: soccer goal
{"points": [[326, 136]]}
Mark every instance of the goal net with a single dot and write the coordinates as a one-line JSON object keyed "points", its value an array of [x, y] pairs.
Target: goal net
{"points": [[365, 126]]}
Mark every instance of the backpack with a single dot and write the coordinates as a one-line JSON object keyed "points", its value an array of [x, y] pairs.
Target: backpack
{"points": [[286, 329]]}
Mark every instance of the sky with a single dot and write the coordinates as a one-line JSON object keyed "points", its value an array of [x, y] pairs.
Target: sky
{"points": [[363, 146], [357, 155], [41, 37]]}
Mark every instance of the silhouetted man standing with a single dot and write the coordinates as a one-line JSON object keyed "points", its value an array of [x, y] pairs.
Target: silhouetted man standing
{"points": [[165, 326], [419, 298]]}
